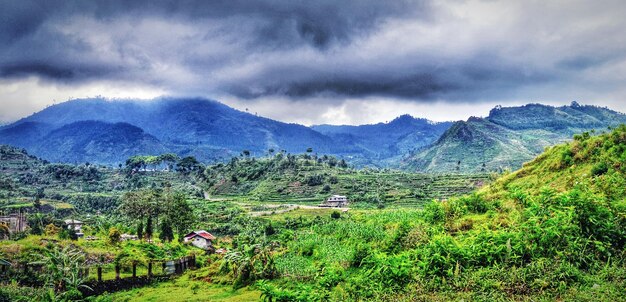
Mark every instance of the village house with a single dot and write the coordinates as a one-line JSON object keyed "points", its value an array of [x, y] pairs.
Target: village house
{"points": [[335, 201], [16, 222], [125, 237], [200, 239], [75, 225]]}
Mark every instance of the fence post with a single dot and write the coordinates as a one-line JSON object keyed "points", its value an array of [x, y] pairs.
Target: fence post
{"points": [[149, 269], [117, 271], [86, 272], [99, 273], [134, 269]]}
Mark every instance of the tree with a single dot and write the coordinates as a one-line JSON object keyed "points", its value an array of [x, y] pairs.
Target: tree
{"points": [[166, 234], [140, 230], [343, 164], [153, 161], [188, 164], [149, 228], [178, 213], [136, 163], [114, 235], [38, 196], [246, 153], [309, 150], [169, 158], [142, 206]]}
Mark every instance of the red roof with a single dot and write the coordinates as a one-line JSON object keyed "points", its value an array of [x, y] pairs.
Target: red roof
{"points": [[201, 233]]}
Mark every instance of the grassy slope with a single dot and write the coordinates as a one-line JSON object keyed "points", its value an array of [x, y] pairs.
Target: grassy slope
{"points": [[552, 231], [184, 289], [508, 137], [576, 164]]}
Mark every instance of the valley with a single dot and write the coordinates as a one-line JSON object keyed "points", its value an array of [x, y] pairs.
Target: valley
{"points": [[553, 229]]}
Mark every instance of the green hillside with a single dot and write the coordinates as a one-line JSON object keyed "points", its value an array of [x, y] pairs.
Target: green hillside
{"points": [[553, 231], [508, 137], [591, 163], [308, 178]]}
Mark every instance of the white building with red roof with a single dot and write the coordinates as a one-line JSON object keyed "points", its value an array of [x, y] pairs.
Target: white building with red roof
{"points": [[201, 239]]}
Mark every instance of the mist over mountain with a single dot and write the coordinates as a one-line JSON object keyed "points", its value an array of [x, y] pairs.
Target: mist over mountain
{"points": [[508, 137]]}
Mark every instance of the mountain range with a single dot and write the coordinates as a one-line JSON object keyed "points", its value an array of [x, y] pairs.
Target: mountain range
{"points": [[109, 131], [105, 131], [509, 137]]}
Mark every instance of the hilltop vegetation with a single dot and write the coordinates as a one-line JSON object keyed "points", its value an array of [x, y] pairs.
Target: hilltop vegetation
{"points": [[311, 178], [509, 137]]}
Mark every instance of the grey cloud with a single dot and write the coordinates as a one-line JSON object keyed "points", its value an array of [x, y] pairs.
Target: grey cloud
{"points": [[317, 22], [409, 50]]}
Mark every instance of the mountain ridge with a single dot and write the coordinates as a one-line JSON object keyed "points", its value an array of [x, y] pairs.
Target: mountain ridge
{"points": [[209, 130], [508, 137]]}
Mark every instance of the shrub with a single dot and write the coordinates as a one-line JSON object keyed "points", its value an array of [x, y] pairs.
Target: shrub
{"points": [[599, 169], [434, 212], [361, 252], [314, 180], [114, 235]]}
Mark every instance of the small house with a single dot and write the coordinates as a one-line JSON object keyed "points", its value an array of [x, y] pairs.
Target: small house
{"points": [[125, 237], [200, 239], [16, 222], [75, 225], [335, 201]]}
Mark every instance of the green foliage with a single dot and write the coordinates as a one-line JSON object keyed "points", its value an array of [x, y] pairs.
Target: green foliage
{"points": [[62, 270], [166, 232], [599, 169], [114, 236]]}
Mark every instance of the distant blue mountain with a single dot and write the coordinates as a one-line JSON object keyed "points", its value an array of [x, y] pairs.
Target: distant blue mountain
{"points": [[387, 140], [89, 129]]}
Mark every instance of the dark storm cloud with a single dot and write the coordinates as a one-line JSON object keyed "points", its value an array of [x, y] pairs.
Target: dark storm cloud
{"points": [[32, 44], [421, 50], [317, 22]]}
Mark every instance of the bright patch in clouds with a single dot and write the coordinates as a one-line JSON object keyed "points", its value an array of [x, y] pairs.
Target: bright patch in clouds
{"points": [[26, 96]]}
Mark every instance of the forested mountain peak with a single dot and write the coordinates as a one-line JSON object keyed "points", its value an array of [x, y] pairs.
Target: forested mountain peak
{"points": [[509, 136]]}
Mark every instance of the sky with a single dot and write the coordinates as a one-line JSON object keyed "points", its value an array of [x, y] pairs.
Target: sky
{"points": [[314, 62]]}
